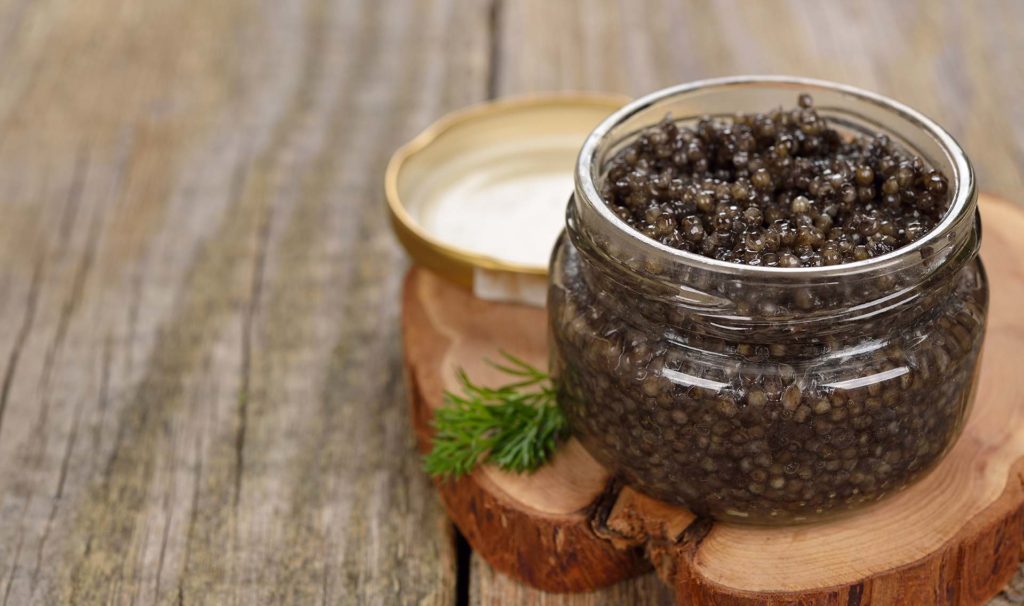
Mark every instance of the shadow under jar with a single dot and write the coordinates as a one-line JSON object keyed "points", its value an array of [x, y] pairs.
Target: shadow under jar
{"points": [[764, 394]]}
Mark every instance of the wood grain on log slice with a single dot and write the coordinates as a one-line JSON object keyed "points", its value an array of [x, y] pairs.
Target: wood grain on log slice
{"points": [[953, 538]]}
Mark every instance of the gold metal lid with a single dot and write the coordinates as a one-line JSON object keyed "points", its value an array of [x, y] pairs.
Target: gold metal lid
{"points": [[479, 196]]}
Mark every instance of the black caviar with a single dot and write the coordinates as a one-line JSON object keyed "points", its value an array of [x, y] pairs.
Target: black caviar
{"points": [[780, 189], [767, 397], [762, 429]]}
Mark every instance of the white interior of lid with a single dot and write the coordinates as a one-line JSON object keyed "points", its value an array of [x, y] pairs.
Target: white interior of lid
{"points": [[506, 201], [498, 185]]}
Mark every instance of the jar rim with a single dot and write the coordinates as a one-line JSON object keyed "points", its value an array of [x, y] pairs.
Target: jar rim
{"points": [[961, 208]]}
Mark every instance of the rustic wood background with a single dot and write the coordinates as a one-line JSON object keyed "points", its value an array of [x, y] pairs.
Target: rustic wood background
{"points": [[200, 396]]}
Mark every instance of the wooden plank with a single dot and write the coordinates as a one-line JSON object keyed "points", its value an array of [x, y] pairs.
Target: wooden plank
{"points": [[192, 315], [200, 396], [490, 588], [952, 61]]}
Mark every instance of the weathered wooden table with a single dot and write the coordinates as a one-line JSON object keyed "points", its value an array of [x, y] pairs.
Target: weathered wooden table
{"points": [[200, 395]]}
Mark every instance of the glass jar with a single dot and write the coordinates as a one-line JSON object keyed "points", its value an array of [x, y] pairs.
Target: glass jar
{"points": [[766, 394]]}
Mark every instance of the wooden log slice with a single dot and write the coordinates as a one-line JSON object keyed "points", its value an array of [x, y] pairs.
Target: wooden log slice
{"points": [[955, 537], [534, 527]]}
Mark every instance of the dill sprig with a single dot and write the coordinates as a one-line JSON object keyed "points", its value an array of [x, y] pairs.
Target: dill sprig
{"points": [[516, 426]]}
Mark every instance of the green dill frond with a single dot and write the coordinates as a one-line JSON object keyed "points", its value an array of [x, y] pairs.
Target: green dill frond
{"points": [[516, 426]]}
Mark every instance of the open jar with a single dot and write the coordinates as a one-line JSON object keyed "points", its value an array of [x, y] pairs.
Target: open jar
{"points": [[766, 394]]}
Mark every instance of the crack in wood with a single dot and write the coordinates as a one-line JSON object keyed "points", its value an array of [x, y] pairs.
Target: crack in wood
{"points": [[103, 396], [134, 307], [601, 509], [255, 290], [853, 596], [72, 201], [58, 494], [163, 540], [696, 532], [19, 342], [17, 555], [193, 516], [494, 53], [74, 198]]}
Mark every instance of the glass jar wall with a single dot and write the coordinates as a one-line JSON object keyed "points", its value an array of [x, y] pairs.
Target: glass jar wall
{"points": [[764, 394]]}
